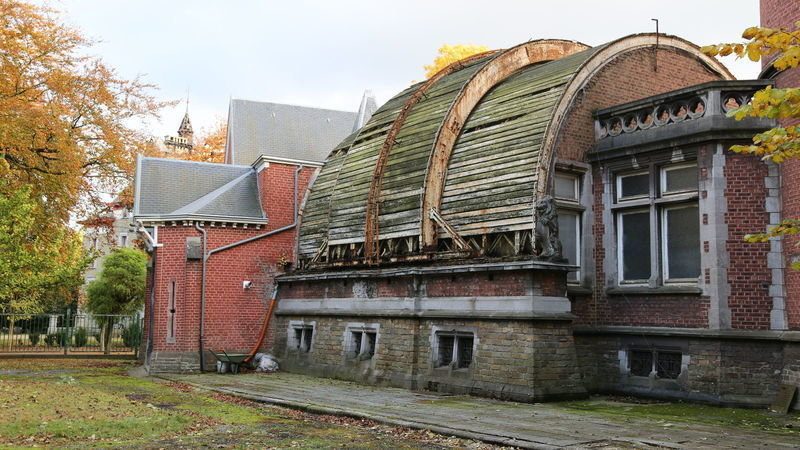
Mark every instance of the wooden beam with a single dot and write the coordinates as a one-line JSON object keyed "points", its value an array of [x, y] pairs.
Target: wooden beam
{"points": [[502, 66], [371, 225]]}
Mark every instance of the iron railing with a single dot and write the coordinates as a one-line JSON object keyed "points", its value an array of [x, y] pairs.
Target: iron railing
{"points": [[70, 333]]}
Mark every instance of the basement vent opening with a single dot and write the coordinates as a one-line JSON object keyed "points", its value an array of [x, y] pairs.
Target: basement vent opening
{"points": [[454, 349]]}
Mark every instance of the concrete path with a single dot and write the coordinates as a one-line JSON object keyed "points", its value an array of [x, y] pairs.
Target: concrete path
{"points": [[542, 425]]}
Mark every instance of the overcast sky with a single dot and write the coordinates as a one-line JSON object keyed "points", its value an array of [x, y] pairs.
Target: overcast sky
{"points": [[326, 53]]}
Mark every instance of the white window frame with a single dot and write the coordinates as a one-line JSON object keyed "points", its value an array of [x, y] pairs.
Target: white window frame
{"points": [[123, 240], [620, 267], [656, 204], [578, 241], [576, 186], [573, 206], [664, 243], [663, 178], [300, 346], [363, 352], [618, 181]]}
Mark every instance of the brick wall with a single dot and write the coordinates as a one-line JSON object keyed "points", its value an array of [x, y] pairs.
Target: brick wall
{"points": [[626, 78], [748, 275], [783, 14], [233, 315]]}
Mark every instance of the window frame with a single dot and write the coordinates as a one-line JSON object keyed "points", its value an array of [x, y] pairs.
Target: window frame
{"points": [[366, 350], [618, 197], [620, 248], [456, 354], [657, 202], [307, 332], [573, 206], [663, 231]]}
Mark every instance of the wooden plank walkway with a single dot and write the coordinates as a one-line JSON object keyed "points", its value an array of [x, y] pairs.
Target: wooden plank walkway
{"points": [[542, 425]]}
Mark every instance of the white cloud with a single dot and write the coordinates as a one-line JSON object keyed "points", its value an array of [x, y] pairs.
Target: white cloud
{"points": [[326, 53]]}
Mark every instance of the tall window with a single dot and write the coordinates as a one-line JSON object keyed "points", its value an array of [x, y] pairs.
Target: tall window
{"points": [[567, 188], [658, 225], [171, 312]]}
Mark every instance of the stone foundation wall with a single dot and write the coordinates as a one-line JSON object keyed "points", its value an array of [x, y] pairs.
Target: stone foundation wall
{"points": [[524, 360], [735, 372]]}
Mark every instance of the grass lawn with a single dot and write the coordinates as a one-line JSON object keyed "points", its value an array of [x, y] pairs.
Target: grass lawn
{"points": [[74, 403]]}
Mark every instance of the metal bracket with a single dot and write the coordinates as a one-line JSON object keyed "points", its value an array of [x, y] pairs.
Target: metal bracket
{"points": [[457, 239]]}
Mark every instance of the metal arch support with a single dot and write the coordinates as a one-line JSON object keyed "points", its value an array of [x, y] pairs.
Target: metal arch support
{"points": [[371, 225], [492, 73]]}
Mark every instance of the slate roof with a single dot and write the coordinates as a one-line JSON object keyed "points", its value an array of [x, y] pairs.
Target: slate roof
{"points": [[170, 189], [283, 131]]}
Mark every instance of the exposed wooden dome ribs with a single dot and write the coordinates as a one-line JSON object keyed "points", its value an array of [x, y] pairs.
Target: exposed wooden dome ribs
{"points": [[494, 72], [371, 224]]}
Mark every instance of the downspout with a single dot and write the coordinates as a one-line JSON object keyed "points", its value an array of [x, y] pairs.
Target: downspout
{"points": [[152, 240], [151, 320], [202, 295], [207, 255]]}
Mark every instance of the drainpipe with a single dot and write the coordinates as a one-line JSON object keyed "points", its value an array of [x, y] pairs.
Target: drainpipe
{"points": [[202, 295], [152, 240], [207, 255]]}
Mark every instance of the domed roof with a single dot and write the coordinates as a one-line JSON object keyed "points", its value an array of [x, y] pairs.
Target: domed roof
{"points": [[459, 154]]}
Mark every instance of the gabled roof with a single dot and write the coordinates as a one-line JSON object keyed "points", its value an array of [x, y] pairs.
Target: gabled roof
{"points": [[283, 131], [170, 189]]}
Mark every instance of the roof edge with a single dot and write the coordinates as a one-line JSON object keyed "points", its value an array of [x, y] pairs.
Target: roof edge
{"points": [[200, 217]]}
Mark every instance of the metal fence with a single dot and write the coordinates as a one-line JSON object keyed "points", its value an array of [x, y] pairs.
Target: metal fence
{"points": [[70, 333]]}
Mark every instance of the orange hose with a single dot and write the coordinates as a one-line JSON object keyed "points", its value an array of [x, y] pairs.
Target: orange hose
{"points": [[264, 328]]}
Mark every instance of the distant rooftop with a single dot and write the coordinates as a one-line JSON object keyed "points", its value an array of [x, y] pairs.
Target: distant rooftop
{"points": [[288, 131], [170, 189]]}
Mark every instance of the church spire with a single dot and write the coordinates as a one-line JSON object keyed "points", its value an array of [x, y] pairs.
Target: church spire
{"points": [[185, 130]]}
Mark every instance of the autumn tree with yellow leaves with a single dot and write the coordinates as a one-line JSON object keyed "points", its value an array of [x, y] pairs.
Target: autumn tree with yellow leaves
{"points": [[66, 137], [782, 48], [65, 117], [448, 54]]}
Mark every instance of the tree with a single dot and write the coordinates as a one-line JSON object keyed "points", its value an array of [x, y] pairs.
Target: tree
{"points": [[36, 272], [119, 289], [449, 54], [778, 144], [65, 117]]}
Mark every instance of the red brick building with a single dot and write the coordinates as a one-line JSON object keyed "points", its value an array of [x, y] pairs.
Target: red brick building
{"points": [[540, 222], [218, 234]]}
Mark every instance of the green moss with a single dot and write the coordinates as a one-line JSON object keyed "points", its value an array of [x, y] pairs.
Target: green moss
{"points": [[680, 412]]}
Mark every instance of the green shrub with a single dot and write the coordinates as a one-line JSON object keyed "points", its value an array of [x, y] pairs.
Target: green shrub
{"points": [[132, 336], [58, 339], [81, 337], [34, 338]]}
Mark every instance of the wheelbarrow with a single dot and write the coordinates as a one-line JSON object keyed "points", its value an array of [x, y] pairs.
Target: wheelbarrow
{"points": [[228, 362]]}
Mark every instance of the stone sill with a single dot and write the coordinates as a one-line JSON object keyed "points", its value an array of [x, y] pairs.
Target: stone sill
{"points": [[701, 333], [575, 289], [400, 271], [661, 290]]}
